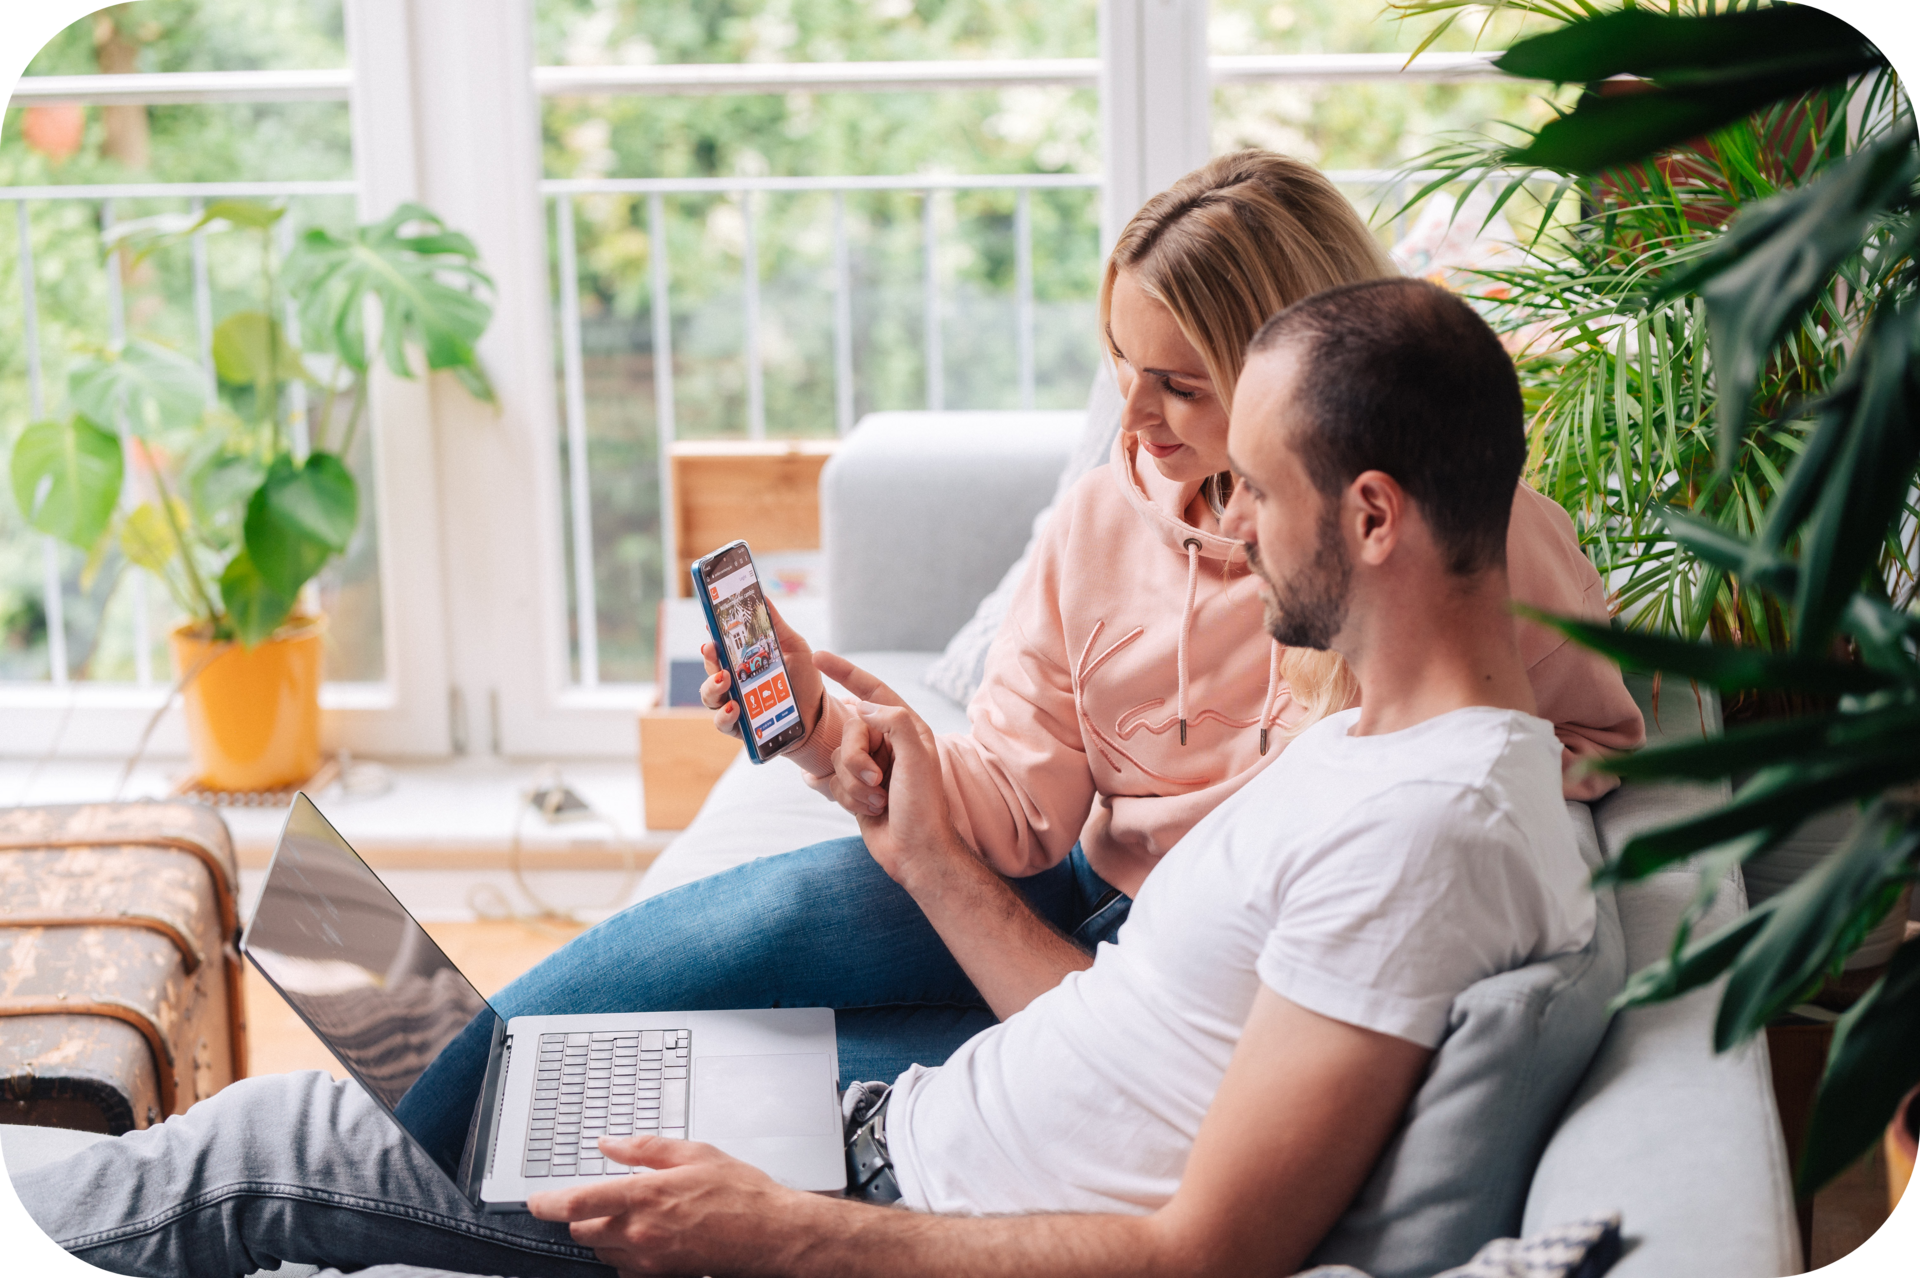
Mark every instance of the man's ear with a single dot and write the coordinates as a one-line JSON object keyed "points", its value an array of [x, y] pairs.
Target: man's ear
{"points": [[1375, 513]]}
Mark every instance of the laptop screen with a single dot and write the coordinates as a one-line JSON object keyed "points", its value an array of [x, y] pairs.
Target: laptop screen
{"points": [[372, 984]]}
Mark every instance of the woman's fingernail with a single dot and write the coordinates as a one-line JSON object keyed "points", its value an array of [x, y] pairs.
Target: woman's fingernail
{"points": [[870, 777]]}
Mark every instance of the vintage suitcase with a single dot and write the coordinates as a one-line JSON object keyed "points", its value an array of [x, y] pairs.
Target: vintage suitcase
{"points": [[120, 984]]}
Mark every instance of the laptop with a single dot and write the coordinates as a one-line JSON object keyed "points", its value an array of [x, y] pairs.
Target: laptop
{"points": [[507, 1108]]}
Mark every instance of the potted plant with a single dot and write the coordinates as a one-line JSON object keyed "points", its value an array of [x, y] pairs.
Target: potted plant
{"points": [[1621, 388], [1828, 549], [221, 497]]}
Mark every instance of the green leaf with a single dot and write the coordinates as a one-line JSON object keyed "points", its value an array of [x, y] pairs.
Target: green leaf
{"points": [[299, 518], [219, 483], [142, 388], [1800, 941], [1724, 667], [1881, 634], [253, 215], [1874, 1061], [1700, 963], [1704, 72], [1639, 42], [147, 539], [1781, 797], [145, 236], [1712, 543], [1764, 744], [252, 604], [1778, 257], [1864, 492], [474, 377], [248, 348], [66, 478], [428, 287]]}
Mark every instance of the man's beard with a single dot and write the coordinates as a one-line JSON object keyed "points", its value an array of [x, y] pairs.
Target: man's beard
{"points": [[1308, 609]]}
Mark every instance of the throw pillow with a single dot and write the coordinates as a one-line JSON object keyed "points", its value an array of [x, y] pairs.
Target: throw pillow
{"points": [[1456, 1173], [1584, 1249], [956, 674]]}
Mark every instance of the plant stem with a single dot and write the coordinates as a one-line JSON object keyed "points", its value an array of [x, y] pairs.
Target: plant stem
{"points": [[353, 418], [317, 426], [210, 614], [267, 387]]}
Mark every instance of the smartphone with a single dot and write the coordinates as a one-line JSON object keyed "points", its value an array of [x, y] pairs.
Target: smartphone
{"points": [[729, 590]]}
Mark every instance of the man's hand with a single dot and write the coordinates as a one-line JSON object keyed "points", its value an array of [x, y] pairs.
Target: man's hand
{"points": [[698, 1212], [889, 777], [1011, 954], [803, 679]]}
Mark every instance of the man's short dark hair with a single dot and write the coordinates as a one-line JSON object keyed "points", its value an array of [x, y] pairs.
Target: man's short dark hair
{"points": [[1403, 377]]}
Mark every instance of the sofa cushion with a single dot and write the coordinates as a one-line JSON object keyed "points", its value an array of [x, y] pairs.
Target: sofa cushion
{"points": [[961, 667], [1457, 1171]]}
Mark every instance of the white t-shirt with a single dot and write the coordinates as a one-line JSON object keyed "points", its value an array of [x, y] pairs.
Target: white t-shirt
{"points": [[1370, 879]]}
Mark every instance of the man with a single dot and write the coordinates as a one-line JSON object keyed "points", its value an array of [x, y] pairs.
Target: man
{"points": [[1207, 1094]]}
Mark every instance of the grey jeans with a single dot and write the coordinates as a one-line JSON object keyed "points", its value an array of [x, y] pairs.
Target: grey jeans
{"points": [[285, 1168]]}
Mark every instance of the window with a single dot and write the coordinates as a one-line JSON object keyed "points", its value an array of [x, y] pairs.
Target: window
{"points": [[750, 219]]}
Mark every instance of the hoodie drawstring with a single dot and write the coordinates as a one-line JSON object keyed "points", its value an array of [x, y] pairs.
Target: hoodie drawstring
{"points": [[1186, 627], [1273, 684]]}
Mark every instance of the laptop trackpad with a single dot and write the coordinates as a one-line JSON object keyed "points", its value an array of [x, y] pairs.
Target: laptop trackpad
{"points": [[755, 1096]]}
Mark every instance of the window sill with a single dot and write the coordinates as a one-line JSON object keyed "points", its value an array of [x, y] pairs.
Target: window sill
{"points": [[446, 836]]}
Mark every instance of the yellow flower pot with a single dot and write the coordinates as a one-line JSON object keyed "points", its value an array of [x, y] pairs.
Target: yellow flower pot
{"points": [[253, 714]]}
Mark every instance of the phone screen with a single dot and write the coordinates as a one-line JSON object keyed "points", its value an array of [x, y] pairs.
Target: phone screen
{"points": [[746, 629]]}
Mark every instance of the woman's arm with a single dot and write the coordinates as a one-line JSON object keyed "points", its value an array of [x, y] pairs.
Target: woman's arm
{"points": [[1018, 783], [1577, 690]]}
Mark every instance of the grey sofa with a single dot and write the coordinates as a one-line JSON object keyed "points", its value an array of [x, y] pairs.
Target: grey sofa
{"points": [[922, 514]]}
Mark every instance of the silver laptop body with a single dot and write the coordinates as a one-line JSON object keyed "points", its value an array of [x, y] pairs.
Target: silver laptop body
{"points": [[506, 1108]]}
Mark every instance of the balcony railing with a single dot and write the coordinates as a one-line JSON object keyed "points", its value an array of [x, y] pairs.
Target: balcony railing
{"points": [[563, 194]]}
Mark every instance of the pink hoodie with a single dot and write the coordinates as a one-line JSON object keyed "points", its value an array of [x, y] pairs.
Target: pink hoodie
{"points": [[1075, 728]]}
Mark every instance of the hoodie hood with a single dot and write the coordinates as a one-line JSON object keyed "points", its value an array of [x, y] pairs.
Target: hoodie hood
{"points": [[1162, 505]]}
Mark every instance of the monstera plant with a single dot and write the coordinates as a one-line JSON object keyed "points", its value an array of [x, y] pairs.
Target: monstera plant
{"points": [[1827, 266], [226, 506], [234, 494]]}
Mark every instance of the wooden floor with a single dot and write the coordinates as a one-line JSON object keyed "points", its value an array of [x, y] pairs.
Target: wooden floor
{"points": [[491, 954], [1845, 1214]]}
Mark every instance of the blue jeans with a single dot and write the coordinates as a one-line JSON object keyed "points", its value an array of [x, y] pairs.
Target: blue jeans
{"points": [[820, 927], [296, 1167]]}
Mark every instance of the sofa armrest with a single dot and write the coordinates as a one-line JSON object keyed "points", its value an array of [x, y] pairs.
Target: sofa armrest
{"points": [[1684, 1142], [922, 513]]}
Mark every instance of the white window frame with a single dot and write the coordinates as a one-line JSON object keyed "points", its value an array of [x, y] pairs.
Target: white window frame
{"points": [[468, 501]]}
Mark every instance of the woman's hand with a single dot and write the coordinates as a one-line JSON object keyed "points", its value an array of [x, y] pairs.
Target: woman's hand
{"points": [[803, 678]]}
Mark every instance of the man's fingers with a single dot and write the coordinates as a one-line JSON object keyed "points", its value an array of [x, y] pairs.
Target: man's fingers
{"points": [[653, 1151], [855, 680], [586, 1202]]}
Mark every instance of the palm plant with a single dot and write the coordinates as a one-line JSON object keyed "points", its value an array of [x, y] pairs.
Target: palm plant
{"points": [[1810, 301], [1618, 369], [230, 510]]}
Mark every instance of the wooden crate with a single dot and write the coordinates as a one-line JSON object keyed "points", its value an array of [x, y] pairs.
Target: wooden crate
{"points": [[765, 491], [681, 756]]}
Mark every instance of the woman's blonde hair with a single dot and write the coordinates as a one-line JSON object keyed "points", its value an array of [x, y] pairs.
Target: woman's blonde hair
{"points": [[1235, 241]]}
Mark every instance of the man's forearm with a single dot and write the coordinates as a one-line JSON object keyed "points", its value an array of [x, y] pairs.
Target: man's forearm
{"points": [[1010, 953], [852, 1240]]}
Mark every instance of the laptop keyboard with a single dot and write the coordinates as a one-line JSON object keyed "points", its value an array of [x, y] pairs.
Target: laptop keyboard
{"points": [[625, 1083]]}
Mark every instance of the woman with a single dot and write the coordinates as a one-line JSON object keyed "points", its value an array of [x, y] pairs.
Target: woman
{"points": [[1131, 690]]}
